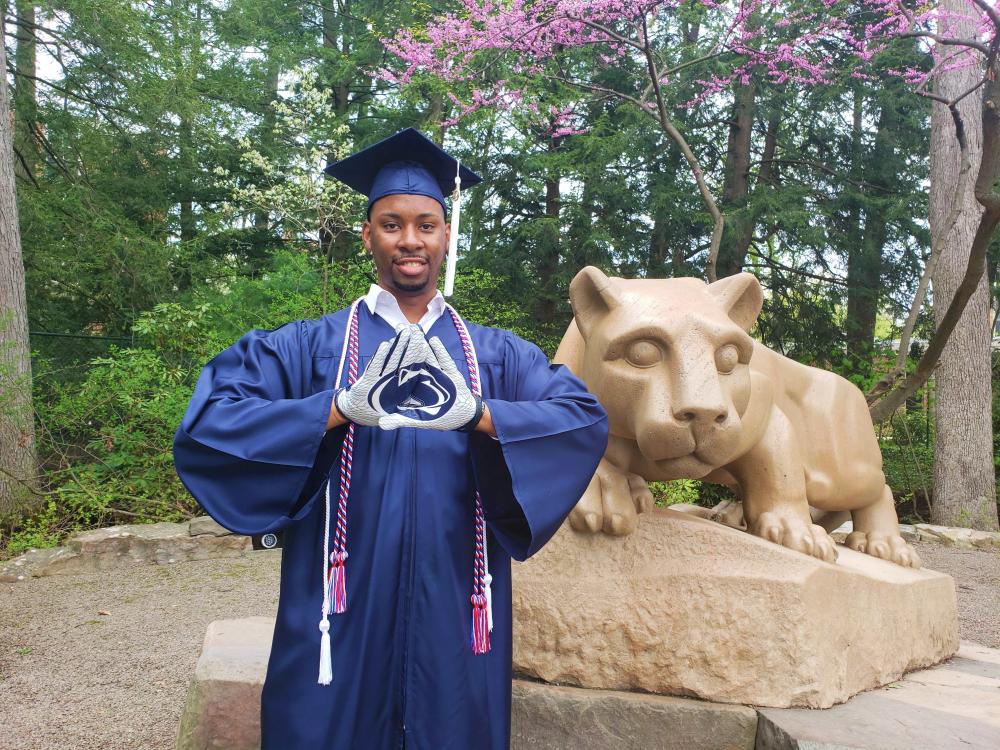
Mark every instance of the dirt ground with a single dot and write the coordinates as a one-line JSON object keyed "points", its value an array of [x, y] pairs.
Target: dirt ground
{"points": [[104, 660]]}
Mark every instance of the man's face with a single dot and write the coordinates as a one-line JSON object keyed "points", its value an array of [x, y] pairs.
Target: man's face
{"points": [[408, 237]]}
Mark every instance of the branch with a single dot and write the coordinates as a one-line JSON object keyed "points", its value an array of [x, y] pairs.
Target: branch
{"points": [[947, 41], [989, 10], [605, 30], [670, 129], [798, 271], [928, 362]]}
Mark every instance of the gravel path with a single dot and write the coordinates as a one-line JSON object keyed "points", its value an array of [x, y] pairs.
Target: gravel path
{"points": [[104, 660], [977, 588]]}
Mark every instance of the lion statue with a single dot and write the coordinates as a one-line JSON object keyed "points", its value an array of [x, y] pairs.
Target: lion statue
{"points": [[689, 394]]}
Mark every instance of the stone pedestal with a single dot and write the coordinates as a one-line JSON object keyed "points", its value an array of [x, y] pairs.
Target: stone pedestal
{"points": [[222, 710], [685, 606], [955, 706]]}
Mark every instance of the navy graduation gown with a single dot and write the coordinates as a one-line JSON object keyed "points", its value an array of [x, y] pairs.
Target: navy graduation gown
{"points": [[254, 452]]}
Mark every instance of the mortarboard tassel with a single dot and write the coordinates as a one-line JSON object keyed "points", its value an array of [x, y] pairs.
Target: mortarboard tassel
{"points": [[456, 212]]}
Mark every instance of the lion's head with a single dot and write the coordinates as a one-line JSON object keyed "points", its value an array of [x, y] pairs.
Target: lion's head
{"points": [[670, 361]]}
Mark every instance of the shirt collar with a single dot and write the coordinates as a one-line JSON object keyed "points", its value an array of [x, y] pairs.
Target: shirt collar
{"points": [[381, 302]]}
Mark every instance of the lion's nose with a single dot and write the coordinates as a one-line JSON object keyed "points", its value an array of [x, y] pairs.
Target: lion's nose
{"points": [[704, 414]]}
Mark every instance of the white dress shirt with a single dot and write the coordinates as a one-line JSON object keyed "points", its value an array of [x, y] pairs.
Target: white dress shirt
{"points": [[382, 303]]}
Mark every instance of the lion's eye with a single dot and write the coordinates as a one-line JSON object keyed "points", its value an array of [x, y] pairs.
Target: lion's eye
{"points": [[726, 358], [643, 354]]}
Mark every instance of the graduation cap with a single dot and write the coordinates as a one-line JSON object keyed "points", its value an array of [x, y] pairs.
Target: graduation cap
{"points": [[410, 163]]}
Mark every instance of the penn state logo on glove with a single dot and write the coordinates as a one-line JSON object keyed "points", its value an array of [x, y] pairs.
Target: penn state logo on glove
{"points": [[419, 391], [440, 398], [407, 351]]}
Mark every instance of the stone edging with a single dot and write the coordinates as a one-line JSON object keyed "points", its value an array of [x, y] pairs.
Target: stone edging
{"points": [[101, 549], [203, 539], [949, 536]]}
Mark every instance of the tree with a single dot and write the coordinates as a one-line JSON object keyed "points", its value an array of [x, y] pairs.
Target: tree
{"points": [[785, 41], [17, 431], [964, 482]]}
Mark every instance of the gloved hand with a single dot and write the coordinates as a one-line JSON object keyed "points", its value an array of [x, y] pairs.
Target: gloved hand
{"points": [[439, 397], [381, 388]]}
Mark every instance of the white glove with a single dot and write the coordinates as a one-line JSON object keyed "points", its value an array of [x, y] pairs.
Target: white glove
{"points": [[439, 399], [381, 389]]}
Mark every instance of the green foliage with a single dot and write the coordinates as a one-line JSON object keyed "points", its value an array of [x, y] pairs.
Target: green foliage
{"points": [[676, 491], [177, 203]]}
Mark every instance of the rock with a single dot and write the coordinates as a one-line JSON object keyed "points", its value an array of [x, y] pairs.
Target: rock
{"points": [[34, 562], [103, 549], [908, 531], [957, 537], [955, 706], [840, 533], [161, 543], [223, 702], [206, 525], [546, 717], [985, 539], [684, 606]]}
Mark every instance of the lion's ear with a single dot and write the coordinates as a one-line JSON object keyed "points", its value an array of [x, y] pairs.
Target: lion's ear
{"points": [[741, 297], [592, 297]]}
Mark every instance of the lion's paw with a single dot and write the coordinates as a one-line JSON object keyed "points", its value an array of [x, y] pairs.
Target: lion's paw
{"points": [[889, 546], [612, 502], [795, 533]]}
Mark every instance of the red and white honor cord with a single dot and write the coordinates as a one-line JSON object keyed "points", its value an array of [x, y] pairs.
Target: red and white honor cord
{"points": [[334, 572], [482, 600], [334, 577]]}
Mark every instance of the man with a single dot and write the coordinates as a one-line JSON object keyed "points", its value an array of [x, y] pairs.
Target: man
{"points": [[407, 456]]}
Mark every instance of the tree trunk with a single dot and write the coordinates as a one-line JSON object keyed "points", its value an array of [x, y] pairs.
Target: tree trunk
{"points": [[864, 259], [548, 264], [17, 429], [337, 36], [964, 490], [25, 92], [736, 185]]}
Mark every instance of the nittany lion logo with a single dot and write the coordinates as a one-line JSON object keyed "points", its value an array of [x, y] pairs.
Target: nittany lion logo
{"points": [[420, 391]]}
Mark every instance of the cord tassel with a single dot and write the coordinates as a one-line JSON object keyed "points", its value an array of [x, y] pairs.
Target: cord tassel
{"points": [[480, 625], [489, 600], [338, 582], [325, 659]]}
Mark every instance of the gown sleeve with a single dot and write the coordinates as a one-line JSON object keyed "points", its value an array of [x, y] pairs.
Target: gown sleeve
{"points": [[551, 433], [251, 434]]}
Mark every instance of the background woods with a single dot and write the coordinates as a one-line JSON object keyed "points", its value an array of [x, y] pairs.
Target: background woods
{"points": [[166, 157]]}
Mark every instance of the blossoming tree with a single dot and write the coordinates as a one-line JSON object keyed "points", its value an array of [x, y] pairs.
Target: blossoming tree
{"points": [[499, 49]]}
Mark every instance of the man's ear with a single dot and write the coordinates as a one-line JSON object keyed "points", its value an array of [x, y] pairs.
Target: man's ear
{"points": [[366, 235], [592, 297], [741, 297]]}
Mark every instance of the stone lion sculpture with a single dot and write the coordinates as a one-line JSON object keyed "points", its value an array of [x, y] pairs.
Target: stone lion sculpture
{"points": [[690, 394]]}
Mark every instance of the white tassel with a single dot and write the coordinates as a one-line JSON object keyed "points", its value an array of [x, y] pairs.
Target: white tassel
{"points": [[456, 212], [325, 660], [489, 600]]}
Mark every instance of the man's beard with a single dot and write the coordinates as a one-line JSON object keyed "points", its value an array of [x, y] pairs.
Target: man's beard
{"points": [[418, 286]]}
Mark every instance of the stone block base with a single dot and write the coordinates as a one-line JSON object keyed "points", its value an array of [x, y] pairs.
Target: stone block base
{"points": [[222, 711], [546, 717], [685, 606], [955, 706]]}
